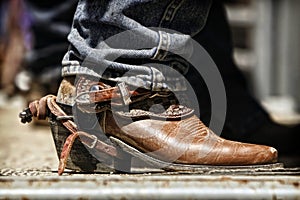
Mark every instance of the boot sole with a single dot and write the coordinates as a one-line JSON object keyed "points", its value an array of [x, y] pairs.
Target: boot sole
{"points": [[124, 165]]}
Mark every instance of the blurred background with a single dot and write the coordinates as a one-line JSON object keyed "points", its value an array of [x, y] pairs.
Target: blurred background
{"points": [[266, 35]]}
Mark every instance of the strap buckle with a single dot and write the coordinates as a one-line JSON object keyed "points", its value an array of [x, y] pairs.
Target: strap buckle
{"points": [[124, 93], [93, 144]]}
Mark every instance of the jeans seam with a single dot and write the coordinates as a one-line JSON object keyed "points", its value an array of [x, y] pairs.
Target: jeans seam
{"points": [[163, 46], [170, 12], [164, 38]]}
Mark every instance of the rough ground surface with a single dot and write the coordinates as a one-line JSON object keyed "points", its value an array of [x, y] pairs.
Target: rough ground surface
{"points": [[28, 163], [28, 148], [23, 146]]}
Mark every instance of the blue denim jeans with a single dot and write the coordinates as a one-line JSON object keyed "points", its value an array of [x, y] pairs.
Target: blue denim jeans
{"points": [[97, 42], [160, 27]]}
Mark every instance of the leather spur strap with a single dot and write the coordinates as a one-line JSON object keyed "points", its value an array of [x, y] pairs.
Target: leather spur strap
{"points": [[39, 109], [91, 92]]}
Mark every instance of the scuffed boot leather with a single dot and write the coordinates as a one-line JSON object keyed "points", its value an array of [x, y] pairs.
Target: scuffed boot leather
{"points": [[173, 135], [188, 141]]}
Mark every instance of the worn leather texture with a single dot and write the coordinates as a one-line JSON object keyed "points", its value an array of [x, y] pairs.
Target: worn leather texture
{"points": [[186, 141]]}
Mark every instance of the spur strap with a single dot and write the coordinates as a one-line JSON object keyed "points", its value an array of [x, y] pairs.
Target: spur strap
{"points": [[91, 92], [39, 109]]}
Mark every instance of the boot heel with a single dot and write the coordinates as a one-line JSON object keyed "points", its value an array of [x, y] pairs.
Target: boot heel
{"points": [[123, 165]]}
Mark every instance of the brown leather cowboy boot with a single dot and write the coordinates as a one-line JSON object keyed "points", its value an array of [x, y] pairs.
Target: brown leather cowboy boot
{"points": [[172, 138], [114, 128]]}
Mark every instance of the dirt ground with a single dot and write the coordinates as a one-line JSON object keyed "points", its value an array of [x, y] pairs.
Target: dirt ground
{"points": [[29, 147], [28, 161], [23, 146]]}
